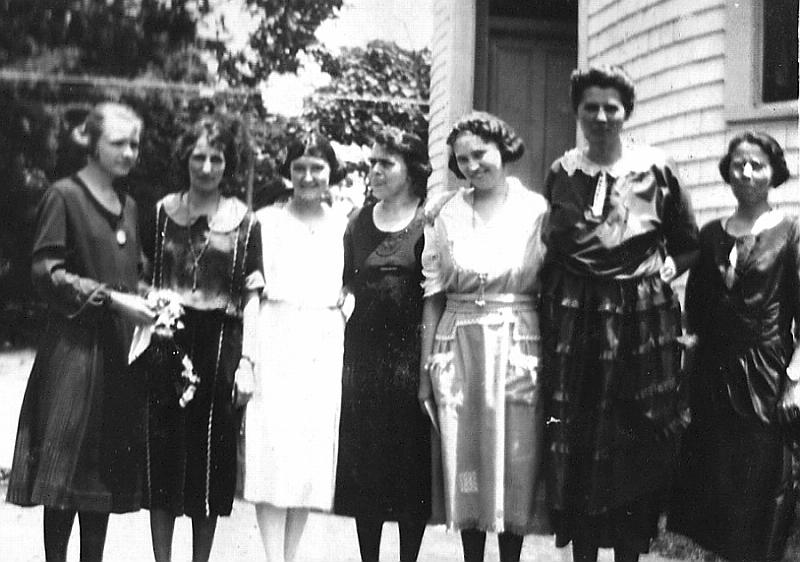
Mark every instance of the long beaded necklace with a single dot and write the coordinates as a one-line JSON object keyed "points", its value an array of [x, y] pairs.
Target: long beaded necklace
{"points": [[196, 256]]}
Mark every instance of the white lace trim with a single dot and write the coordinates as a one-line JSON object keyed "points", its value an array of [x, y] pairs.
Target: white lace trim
{"points": [[229, 215], [635, 159]]}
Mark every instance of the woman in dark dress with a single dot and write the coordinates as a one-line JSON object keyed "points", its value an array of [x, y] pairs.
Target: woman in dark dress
{"points": [[208, 251], [621, 228], [734, 493], [70, 456], [383, 473]]}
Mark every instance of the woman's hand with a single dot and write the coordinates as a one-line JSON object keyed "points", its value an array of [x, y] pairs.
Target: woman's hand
{"points": [[668, 271], [244, 382], [789, 405], [131, 307]]}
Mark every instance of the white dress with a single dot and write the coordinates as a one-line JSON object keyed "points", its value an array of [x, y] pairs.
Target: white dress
{"points": [[291, 424]]}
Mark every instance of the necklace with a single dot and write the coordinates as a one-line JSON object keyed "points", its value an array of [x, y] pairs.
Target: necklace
{"points": [[196, 256], [122, 238]]}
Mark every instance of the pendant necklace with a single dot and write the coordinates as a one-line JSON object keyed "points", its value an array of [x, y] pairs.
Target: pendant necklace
{"points": [[196, 256], [122, 238]]}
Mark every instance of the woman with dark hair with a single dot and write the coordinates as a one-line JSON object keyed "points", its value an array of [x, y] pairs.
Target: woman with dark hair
{"points": [[72, 453], [291, 425], [208, 251], [480, 341], [384, 469], [620, 230], [734, 492]]}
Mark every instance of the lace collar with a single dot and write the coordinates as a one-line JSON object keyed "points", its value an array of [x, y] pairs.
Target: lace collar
{"points": [[229, 215], [635, 159]]}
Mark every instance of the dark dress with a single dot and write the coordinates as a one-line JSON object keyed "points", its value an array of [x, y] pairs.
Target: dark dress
{"points": [[734, 493], [192, 451], [384, 467], [612, 360], [73, 450]]}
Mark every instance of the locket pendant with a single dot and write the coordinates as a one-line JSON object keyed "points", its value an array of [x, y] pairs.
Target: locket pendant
{"points": [[122, 238]]}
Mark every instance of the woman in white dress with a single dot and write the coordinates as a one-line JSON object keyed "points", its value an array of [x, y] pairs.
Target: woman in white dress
{"points": [[291, 425]]}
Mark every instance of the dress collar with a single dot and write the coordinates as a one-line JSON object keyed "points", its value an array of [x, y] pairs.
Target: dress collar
{"points": [[229, 215], [766, 221], [634, 159]]}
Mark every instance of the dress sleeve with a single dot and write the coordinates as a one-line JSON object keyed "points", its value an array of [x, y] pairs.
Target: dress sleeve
{"points": [[348, 271], [66, 292], [698, 288], [795, 279], [680, 227], [253, 265], [432, 275]]}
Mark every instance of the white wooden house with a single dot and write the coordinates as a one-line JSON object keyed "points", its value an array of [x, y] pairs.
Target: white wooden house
{"points": [[704, 70]]}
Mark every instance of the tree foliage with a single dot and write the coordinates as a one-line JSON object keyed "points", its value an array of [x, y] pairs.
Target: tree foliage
{"points": [[160, 37], [382, 84], [285, 28]]}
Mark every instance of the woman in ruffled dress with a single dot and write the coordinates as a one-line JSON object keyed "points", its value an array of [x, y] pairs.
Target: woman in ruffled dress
{"points": [[621, 229], [734, 493], [384, 470], [72, 453], [291, 426], [208, 252], [480, 341]]}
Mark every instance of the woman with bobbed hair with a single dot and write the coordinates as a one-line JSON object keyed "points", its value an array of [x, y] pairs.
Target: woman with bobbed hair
{"points": [[384, 469], [480, 341], [79, 436], [734, 492], [291, 425], [208, 252], [620, 230]]}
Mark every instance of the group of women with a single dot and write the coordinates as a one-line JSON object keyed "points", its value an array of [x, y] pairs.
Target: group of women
{"points": [[493, 359]]}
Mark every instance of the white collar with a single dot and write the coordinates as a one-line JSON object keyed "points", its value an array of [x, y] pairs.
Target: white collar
{"points": [[634, 158], [765, 221], [228, 217]]}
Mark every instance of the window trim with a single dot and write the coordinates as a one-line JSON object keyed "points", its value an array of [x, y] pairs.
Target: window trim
{"points": [[743, 67]]}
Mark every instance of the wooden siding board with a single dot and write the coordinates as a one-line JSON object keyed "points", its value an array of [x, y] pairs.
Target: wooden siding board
{"points": [[636, 16], [645, 33], [685, 149], [658, 84], [673, 56]]}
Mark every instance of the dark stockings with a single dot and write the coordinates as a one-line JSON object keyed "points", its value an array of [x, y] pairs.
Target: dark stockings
{"points": [[369, 539], [588, 553], [162, 528], [58, 526], [474, 545]]}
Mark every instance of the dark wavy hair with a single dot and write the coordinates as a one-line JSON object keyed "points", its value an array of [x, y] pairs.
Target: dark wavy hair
{"points": [[491, 129], [225, 133], [96, 118], [414, 153], [773, 150], [317, 145], [603, 76]]}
